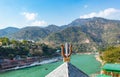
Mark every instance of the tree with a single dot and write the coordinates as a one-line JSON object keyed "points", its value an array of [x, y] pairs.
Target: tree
{"points": [[4, 40], [24, 42], [14, 42], [112, 55]]}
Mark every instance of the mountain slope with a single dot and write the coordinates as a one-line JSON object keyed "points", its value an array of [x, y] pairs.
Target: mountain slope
{"points": [[99, 29], [35, 33], [8, 31], [30, 33], [70, 34], [53, 28], [95, 30], [88, 33], [80, 40]]}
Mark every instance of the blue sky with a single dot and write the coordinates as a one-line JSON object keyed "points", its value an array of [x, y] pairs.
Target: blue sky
{"points": [[22, 13]]}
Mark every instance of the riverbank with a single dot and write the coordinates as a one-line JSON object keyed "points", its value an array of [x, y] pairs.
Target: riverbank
{"points": [[55, 59], [98, 58]]}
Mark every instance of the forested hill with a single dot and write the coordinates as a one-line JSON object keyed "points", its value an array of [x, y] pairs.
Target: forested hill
{"points": [[99, 29], [70, 34], [94, 31], [8, 31]]}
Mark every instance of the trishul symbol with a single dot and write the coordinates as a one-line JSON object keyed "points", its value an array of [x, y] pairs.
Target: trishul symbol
{"points": [[66, 52]]}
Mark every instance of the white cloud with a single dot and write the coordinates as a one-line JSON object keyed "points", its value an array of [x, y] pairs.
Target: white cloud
{"points": [[107, 13], [33, 20], [29, 16], [39, 23], [85, 6]]}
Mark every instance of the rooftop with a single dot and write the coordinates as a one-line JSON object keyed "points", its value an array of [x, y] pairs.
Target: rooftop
{"points": [[112, 67], [67, 70]]}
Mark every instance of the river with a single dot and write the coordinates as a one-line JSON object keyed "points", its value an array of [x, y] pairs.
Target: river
{"points": [[86, 63]]}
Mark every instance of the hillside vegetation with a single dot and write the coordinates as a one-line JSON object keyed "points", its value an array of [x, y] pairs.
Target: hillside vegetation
{"points": [[88, 34], [111, 55]]}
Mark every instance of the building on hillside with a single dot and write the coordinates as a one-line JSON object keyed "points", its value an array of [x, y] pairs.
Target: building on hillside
{"points": [[66, 69], [110, 70]]}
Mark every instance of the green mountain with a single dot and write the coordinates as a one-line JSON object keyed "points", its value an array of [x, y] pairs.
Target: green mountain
{"points": [[35, 33], [90, 32], [53, 28], [99, 29], [70, 34], [8, 31], [30, 33], [80, 40]]}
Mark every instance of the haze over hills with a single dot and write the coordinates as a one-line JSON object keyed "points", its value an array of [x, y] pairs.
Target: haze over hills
{"points": [[93, 31]]}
